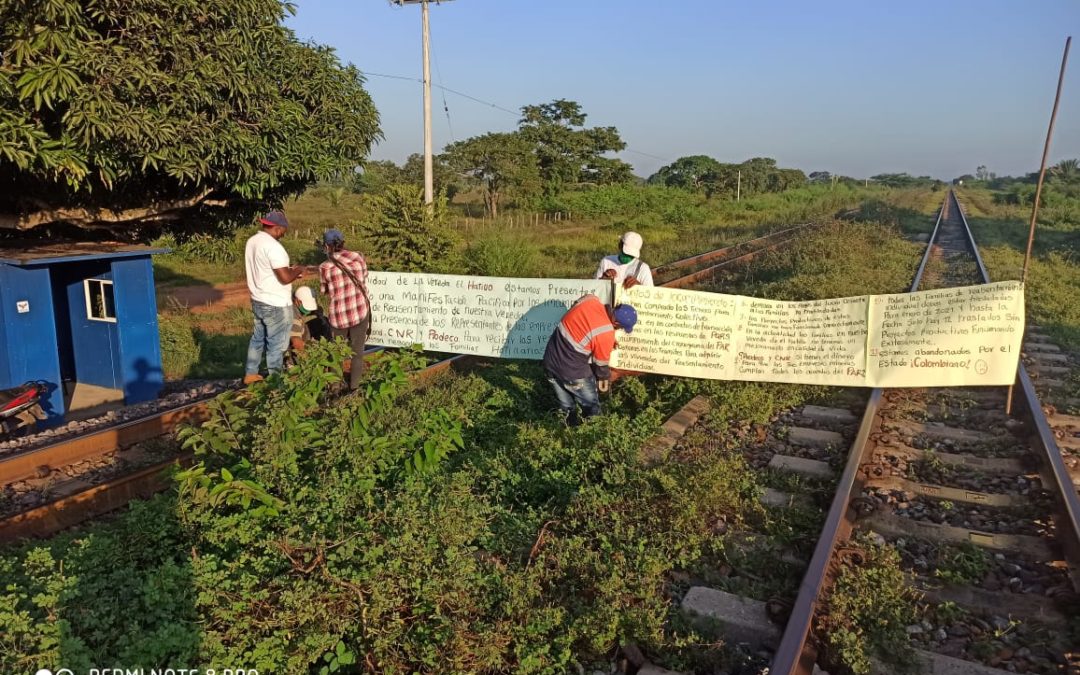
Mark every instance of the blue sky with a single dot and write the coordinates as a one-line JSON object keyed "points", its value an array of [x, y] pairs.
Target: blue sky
{"points": [[856, 88]]}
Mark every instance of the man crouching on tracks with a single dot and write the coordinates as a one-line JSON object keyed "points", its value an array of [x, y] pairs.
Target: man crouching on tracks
{"points": [[586, 332]]}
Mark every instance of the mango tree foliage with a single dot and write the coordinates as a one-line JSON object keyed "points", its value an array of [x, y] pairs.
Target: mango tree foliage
{"points": [[129, 114]]}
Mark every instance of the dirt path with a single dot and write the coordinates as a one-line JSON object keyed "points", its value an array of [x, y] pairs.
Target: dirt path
{"points": [[205, 299]]}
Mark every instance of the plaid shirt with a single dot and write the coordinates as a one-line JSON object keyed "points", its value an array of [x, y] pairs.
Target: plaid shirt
{"points": [[347, 304]]}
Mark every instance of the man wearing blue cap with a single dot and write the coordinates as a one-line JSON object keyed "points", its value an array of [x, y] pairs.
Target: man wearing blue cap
{"points": [[577, 355], [343, 277], [269, 279]]}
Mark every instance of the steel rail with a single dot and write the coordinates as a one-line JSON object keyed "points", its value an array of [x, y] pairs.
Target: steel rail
{"points": [[796, 654], [65, 512], [1053, 463], [702, 258]]}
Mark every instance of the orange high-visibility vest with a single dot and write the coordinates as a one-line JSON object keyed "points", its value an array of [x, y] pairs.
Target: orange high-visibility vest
{"points": [[588, 330]]}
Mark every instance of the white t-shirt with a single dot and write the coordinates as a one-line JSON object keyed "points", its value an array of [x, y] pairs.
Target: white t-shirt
{"points": [[262, 255], [635, 267]]}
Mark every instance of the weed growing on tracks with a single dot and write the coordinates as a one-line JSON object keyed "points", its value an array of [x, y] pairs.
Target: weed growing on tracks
{"points": [[867, 610], [964, 563]]}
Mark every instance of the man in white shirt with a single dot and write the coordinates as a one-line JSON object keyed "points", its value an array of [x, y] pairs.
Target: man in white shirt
{"points": [[269, 279], [626, 267]]}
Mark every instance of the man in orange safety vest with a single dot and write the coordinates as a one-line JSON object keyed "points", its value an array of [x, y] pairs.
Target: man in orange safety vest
{"points": [[577, 355]]}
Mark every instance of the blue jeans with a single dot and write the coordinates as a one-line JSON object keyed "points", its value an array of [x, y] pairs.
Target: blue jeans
{"points": [[572, 393], [271, 334]]}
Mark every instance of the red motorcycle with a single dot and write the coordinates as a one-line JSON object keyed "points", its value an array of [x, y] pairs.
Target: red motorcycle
{"points": [[20, 407]]}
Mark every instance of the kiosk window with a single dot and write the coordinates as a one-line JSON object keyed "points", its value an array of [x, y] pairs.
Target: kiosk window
{"points": [[99, 300]]}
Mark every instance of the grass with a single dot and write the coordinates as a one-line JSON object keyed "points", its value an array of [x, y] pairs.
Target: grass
{"points": [[517, 458], [1053, 276], [204, 346], [567, 248]]}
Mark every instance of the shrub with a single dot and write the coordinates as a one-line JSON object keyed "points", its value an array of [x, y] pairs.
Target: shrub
{"points": [[179, 350], [500, 254], [406, 237]]}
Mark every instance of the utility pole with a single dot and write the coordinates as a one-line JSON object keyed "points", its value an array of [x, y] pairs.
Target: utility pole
{"points": [[738, 188], [429, 180]]}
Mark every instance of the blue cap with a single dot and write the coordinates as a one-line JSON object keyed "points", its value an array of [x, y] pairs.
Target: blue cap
{"points": [[333, 237], [626, 316], [275, 218]]}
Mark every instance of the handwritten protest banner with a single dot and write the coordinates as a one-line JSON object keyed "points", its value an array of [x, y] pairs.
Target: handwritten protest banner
{"points": [[958, 336], [486, 316], [731, 337], [947, 337]]}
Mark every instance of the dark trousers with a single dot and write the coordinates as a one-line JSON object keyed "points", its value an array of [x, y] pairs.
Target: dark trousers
{"points": [[357, 337]]}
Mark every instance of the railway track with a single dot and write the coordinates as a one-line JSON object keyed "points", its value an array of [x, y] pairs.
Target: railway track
{"points": [[97, 472], [941, 474]]}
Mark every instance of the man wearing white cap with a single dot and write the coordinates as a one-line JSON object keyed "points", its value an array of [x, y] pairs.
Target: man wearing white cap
{"points": [[308, 322], [626, 267]]}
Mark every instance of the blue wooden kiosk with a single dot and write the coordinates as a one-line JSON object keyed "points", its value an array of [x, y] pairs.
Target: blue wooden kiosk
{"points": [[80, 315]]}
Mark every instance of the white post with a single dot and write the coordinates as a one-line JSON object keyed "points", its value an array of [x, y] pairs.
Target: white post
{"points": [[738, 189], [429, 181]]}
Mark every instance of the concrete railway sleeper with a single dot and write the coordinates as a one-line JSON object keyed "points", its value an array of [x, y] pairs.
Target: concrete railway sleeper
{"points": [[980, 506]]}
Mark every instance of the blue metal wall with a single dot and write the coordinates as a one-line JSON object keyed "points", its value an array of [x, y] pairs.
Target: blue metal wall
{"points": [[136, 314], [29, 339], [96, 344], [56, 340]]}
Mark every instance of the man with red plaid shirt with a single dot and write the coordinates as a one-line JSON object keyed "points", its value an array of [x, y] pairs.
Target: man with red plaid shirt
{"points": [[343, 277]]}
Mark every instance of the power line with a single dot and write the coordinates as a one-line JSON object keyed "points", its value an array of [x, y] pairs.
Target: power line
{"points": [[645, 154], [515, 113], [446, 107]]}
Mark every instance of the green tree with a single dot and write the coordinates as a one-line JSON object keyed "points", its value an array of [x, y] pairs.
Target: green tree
{"points": [[500, 163], [443, 175], [375, 175], [406, 236], [129, 115], [687, 172], [1067, 171], [565, 149]]}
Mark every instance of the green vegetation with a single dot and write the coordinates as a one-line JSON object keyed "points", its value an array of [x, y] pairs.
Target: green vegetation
{"points": [[675, 223], [964, 563], [130, 116], [866, 613], [837, 260], [319, 532], [705, 174], [1000, 224], [405, 236]]}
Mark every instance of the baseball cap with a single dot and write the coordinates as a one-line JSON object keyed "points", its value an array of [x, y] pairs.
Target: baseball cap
{"points": [[275, 218], [306, 298], [626, 316], [631, 244], [333, 237]]}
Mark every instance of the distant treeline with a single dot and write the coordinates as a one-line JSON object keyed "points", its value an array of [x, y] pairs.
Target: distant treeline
{"points": [[1062, 184]]}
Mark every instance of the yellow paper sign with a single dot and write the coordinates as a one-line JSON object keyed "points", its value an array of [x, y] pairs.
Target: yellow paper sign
{"points": [[950, 337]]}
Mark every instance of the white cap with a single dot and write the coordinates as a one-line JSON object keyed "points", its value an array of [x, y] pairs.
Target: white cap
{"points": [[306, 298], [631, 244]]}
